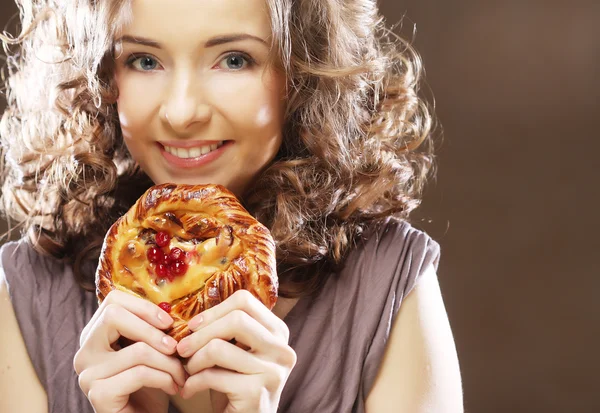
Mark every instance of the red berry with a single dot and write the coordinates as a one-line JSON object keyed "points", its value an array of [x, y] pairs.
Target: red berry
{"points": [[162, 271], [155, 255], [165, 307], [162, 239], [178, 268], [166, 260], [176, 254]]}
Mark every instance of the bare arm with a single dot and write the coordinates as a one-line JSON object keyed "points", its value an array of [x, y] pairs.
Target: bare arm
{"points": [[420, 371], [20, 388]]}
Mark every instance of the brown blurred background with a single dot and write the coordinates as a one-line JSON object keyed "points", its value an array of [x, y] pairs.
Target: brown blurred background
{"points": [[517, 86]]}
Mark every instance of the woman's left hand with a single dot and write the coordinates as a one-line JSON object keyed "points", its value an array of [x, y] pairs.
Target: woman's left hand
{"points": [[253, 379]]}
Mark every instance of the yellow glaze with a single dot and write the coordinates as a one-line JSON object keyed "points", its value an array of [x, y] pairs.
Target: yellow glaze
{"points": [[135, 273]]}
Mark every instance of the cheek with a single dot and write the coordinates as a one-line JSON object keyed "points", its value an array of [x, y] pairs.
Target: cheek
{"points": [[255, 103], [135, 106], [268, 114]]}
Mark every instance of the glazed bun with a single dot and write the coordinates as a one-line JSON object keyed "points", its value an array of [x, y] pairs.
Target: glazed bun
{"points": [[187, 248]]}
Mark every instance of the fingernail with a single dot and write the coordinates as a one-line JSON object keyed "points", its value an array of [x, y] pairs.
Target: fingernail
{"points": [[164, 317], [195, 322], [182, 348], [169, 342]]}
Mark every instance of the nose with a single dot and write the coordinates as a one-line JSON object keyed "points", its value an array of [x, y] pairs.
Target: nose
{"points": [[184, 105]]}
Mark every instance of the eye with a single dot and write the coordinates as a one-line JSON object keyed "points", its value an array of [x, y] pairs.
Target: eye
{"points": [[142, 63], [236, 61]]}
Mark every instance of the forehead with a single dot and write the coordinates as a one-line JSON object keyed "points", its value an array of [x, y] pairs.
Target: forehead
{"points": [[197, 19]]}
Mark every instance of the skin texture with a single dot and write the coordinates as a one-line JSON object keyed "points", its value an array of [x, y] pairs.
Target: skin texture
{"points": [[419, 371], [20, 388], [184, 92]]}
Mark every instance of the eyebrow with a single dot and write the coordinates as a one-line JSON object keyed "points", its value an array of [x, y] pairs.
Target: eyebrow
{"points": [[214, 41]]}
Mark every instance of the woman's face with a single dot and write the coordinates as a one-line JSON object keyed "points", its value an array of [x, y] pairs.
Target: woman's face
{"points": [[197, 102]]}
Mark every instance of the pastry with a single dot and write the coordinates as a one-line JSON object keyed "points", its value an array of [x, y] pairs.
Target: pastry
{"points": [[187, 248]]}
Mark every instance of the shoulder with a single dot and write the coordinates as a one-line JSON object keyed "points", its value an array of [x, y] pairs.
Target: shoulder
{"points": [[50, 311], [27, 273], [356, 307], [394, 252], [17, 261], [50, 307], [20, 387], [418, 370], [22, 263], [40, 287], [395, 238]]}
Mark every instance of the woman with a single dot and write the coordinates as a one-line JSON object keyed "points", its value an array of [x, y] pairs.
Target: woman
{"points": [[311, 118]]}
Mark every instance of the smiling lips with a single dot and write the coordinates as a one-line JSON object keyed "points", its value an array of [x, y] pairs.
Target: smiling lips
{"points": [[193, 152]]}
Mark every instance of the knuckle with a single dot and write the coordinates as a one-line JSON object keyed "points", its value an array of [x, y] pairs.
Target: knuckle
{"points": [[97, 396], [143, 372], [238, 318], [276, 379], [78, 362], [84, 334], [141, 351], [111, 312], [292, 357], [112, 297], [243, 297], [214, 347], [285, 332], [287, 357], [84, 381]]}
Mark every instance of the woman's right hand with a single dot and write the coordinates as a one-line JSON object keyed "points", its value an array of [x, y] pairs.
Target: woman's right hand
{"points": [[133, 379]]}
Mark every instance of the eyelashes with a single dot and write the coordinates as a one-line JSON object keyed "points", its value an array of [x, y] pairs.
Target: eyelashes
{"points": [[134, 58], [250, 62], [148, 63]]}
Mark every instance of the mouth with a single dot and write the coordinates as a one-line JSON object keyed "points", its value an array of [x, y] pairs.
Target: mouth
{"points": [[194, 155], [193, 152]]}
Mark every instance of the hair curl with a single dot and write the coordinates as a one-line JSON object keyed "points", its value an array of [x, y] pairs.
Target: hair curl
{"points": [[357, 141]]}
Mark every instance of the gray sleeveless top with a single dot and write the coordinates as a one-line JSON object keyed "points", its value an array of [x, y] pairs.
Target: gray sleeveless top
{"points": [[339, 335]]}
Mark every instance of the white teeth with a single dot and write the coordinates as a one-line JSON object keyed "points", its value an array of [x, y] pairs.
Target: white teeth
{"points": [[193, 152]]}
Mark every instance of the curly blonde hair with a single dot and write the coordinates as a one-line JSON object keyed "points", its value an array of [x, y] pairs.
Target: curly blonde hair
{"points": [[357, 143]]}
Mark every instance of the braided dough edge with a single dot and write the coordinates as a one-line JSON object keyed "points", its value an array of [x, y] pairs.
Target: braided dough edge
{"points": [[254, 270]]}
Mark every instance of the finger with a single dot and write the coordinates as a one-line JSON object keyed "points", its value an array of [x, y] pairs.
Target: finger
{"points": [[245, 301], [128, 382], [221, 380], [144, 309], [135, 355], [117, 321], [220, 353], [236, 325]]}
